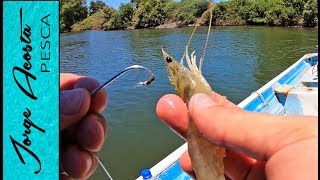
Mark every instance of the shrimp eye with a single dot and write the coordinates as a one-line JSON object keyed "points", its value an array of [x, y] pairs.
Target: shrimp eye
{"points": [[168, 59]]}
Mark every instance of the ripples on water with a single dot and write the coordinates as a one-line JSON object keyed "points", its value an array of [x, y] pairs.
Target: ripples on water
{"points": [[239, 60]]}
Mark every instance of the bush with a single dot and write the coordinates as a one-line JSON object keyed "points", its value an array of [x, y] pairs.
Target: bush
{"points": [[151, 13], [71, 12]]}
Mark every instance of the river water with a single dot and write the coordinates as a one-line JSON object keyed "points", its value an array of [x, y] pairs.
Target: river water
{"points": [[239, 60]]}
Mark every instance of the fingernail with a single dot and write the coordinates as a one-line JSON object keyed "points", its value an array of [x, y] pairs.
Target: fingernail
{"points": [[203, 100], [169, 101], [71, 101], [90, 164], [200, 101]]}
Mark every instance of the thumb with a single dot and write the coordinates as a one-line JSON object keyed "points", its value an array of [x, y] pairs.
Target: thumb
{"points": [[74, 105], [253, 134]]}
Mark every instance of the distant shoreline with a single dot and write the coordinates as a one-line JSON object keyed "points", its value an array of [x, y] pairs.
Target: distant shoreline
{"points": [[161, 14], [190, 25]]}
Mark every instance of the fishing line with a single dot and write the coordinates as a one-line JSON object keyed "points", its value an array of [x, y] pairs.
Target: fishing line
{"points": [[103, 167]]}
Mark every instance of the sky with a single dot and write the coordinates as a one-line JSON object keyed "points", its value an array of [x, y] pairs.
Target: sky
{"points": [[116, 3], [113, 3]]}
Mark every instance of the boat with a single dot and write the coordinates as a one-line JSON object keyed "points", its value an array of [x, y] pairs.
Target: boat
{"points": [[293, 92]]}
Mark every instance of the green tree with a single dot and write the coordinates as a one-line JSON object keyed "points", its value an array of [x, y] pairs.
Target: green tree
{"points": [[126, 14], [172, 10], [71, 12], [227, 14], [276, 15], [96, 6], [194, 7], [112, 19], [135, 3], [310, 13], [186, 11], [104, 19], [150, 13], [113, 23], [293, 11]]}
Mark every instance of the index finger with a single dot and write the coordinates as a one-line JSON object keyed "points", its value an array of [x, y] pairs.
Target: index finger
{"points": [[67, 80], [70, 81], [173, 111]]}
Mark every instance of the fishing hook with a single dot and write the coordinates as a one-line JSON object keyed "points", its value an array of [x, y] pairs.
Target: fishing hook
{"points": [[133, 67], [142, 83]]}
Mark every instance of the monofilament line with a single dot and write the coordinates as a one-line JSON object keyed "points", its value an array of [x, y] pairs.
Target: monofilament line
{"points": [[103, 168]]}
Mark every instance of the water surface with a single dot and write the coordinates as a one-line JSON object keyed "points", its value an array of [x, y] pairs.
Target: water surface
{"points": [[239, 60]]}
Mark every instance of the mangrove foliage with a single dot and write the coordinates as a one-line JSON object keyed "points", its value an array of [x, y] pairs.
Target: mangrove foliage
{"points": [[76, 15]]}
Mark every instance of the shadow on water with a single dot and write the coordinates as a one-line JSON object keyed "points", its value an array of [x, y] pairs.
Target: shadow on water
{"points": [[238, 61]]}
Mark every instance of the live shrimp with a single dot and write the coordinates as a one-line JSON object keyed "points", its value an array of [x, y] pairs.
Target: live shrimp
{"points": [[206, 157]]}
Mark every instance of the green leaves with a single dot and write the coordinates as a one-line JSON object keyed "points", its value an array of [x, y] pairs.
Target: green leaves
{"points": [[149, 13], [75, 15], [126, 14], [269, 12], [71, 12], [186, 11], [95, 6], [310, 13]]}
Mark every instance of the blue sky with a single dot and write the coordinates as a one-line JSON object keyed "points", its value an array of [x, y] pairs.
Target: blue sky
{"points": [[116, 3], [112, 3]]}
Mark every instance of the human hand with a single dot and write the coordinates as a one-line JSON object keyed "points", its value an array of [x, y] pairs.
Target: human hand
{"points": [[259, 146], [82, 129]]}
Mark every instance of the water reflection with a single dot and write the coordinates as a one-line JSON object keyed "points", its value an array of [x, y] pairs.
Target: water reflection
{"points": [[282, 47]]}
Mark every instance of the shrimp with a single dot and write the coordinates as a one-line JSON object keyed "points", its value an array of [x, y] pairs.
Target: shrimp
{"points": [[206, 157]]}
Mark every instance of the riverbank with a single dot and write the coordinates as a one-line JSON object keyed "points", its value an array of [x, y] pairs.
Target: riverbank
{"points": [[175, 25], [171, 14]]}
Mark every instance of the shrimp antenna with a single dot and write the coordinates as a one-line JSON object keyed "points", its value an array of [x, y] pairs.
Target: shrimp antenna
{"points": [[206, 44], [133, 67], [184, 54]]}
